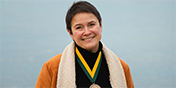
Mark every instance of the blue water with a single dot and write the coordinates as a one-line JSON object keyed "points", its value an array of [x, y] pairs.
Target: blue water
{"points": [[142, 33]]}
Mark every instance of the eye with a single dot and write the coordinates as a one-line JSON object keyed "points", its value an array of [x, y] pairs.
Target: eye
{"points": [[91, 24], [78, 27]]}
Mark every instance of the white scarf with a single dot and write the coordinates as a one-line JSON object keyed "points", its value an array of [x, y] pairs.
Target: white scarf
{"points": [[67, 74]]}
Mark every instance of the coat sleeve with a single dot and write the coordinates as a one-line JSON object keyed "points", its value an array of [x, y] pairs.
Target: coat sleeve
{"points": [[44, 78], [128, 75]]}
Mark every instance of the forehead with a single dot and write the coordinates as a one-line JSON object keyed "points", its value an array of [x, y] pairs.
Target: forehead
{"points": [[82, 18]]}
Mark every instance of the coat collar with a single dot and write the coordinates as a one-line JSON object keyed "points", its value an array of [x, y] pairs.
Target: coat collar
{"points": [[66, 77]]}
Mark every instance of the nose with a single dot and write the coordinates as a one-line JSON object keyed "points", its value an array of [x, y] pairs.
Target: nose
{"points": [[87, 31]]}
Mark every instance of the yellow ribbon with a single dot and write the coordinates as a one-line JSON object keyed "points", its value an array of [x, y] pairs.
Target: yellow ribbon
{"points": [[91, 72]]}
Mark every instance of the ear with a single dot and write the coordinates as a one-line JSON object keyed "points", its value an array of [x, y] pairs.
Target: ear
{"points": [[71, 35]]}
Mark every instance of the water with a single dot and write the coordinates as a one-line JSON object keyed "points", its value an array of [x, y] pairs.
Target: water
{"points": [[142, 33]]}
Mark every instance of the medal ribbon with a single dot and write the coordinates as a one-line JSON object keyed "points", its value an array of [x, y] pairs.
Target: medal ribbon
{"points": [[91, 74]]}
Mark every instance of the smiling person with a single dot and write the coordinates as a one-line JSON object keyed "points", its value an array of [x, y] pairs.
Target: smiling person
{"points": [[85, 62]]}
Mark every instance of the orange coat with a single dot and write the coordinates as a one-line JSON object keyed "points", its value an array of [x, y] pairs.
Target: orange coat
{"points": [[48, 75]]}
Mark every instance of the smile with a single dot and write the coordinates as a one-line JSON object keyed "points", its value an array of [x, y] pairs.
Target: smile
{"points": [[87, 39]]}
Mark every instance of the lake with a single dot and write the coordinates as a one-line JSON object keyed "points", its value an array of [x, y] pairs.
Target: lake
{"points": [[142, 33]]}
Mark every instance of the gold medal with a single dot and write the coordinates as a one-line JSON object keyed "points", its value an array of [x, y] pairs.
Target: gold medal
{"points": [[94, 86]]}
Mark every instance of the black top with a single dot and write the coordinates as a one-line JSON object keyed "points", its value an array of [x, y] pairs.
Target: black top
{"points": [[103, 76]]}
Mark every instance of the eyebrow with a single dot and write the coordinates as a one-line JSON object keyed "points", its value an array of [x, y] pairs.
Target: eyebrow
{"points": [[91, 21]]}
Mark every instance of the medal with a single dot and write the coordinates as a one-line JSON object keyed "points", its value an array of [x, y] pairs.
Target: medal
{"points": [[94, 86], [91, 74]]}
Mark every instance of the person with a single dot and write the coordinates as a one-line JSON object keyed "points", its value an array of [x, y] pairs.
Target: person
{"points": [[86, 61]]}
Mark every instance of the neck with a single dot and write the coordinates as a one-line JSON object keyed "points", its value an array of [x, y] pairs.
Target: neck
{"points": [[95, 50]]}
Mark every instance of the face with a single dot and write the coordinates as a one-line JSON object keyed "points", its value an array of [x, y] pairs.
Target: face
{"points": [[86, 31]]}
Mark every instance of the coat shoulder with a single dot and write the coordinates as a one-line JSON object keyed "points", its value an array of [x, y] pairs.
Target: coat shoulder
{"points": [[54, 62], [124, 64], [128, 75]]}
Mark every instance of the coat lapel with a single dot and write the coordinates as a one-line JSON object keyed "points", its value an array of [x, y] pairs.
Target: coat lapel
{"points": [[66, 70], [117, 76]]}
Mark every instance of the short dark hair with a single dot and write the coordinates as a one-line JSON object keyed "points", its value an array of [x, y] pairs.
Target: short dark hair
{"points": [[80, 7]]}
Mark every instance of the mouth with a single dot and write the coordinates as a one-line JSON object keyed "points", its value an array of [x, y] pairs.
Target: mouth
{"points": [[88, 39]]}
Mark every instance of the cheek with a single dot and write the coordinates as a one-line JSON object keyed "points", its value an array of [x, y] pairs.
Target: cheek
{"points": [[97, 30], [78, 35]]}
